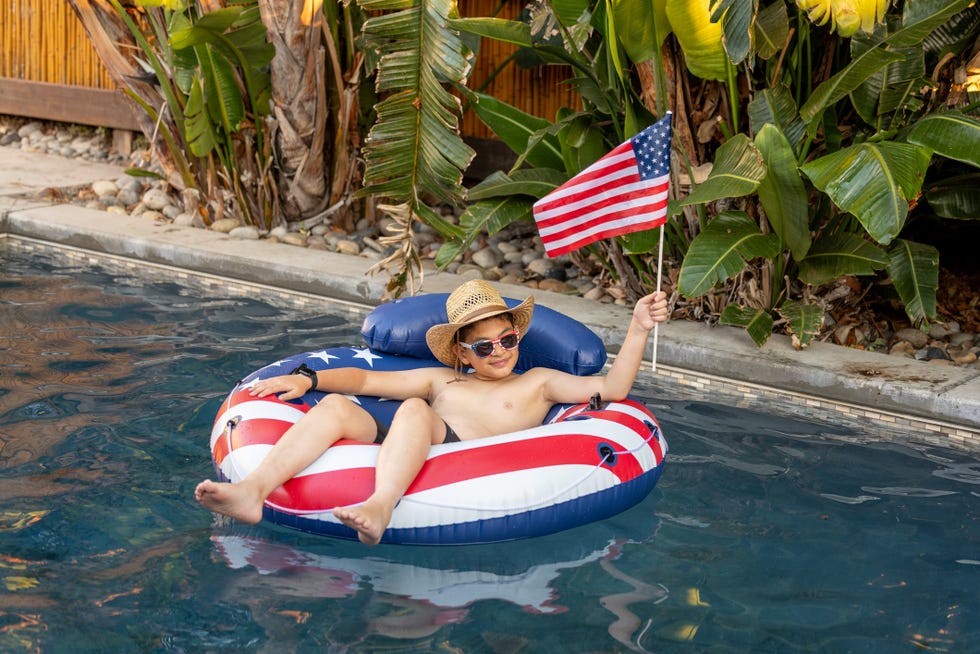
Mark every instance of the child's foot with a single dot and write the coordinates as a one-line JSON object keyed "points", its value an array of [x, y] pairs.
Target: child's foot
{"points": [[232, 500], [369, 520]]}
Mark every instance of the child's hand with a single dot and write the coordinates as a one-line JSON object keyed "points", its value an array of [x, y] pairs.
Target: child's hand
{"points": [[651, 310], [289, 387]]}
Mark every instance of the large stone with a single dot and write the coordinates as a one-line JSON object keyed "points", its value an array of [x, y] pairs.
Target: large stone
{"points": [[245, 232], [486, 257], [156, 199], [104, 187], [915, 337], [225, 225]]}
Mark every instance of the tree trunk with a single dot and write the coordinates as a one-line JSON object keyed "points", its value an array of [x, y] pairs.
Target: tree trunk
{"points": [[111, 38], [299, 104]]}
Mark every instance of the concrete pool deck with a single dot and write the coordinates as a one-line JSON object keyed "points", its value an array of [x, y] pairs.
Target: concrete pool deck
{"points": [[942, 400]]}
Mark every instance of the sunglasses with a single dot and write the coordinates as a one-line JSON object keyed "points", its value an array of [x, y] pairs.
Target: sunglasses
{"points": [[485, 348]]}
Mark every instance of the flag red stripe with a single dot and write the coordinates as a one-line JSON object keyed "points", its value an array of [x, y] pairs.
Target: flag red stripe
{"points": [[642, 213]]}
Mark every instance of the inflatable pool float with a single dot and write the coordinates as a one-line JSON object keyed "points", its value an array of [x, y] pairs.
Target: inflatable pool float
{"points": [[584, 463]]}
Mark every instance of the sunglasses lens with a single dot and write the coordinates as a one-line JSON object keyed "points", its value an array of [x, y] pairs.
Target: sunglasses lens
{"points": [[483, 349], [509, 342]]}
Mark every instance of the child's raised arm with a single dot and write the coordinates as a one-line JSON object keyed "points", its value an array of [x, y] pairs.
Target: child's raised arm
{"points": [[618, 381]]}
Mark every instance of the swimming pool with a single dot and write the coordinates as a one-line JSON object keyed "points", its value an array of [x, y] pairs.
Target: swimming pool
{"points": [[767, 532]]}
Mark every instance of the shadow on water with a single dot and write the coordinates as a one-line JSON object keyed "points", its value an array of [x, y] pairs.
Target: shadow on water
{"points": [[766, 532]]}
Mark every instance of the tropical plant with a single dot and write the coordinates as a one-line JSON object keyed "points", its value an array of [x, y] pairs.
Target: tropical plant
{"points": [[212, 81], [549, 153], [871, 183], [817, 184], [414, 155], [238, 99]]}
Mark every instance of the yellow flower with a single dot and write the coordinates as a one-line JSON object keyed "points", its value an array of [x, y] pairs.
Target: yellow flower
{"points": [[845, 16]]}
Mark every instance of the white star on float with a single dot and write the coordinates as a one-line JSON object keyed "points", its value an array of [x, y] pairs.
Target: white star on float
{"points": [[366, 354], [324, 356]]}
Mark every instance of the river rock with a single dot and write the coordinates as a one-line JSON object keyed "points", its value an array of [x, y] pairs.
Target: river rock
{"points": [[156, 199], [245, 232], [225, 225]]}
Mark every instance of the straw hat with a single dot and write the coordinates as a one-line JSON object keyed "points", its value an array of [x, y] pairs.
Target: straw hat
{"points": [[472, 301]]}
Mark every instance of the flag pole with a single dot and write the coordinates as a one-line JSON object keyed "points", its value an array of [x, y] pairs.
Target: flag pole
{"points": [[656, 325]]}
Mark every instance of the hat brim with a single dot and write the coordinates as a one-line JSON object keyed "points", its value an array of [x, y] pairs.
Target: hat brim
{"points": [[441, 338]]}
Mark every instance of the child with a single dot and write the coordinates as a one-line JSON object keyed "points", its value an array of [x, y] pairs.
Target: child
{"points": [[441, 405]]}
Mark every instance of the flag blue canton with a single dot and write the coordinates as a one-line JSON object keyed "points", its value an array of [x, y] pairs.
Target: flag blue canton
{"points": [[652, 149]]}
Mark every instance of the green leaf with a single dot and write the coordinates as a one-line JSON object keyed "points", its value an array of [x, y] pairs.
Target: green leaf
{"points": [[509, 31], [757, 323], [914, 269], [851, 77], [721, 250], [533, 182], [955, 197], [776, 105], [633, 19], [737, 18], [873, 181], [803, 320], [771, 29], [737, 171], [781, 192], [202, 137], [950, 134], [832, 257], [640, 242], [519, 130], [414, 147]]}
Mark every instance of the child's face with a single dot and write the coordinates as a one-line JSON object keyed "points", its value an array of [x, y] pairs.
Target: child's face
{"points": [[501, 362]]}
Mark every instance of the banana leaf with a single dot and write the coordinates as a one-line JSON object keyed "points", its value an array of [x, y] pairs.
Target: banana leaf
{"points": [[950, 134], [873, 181], [700, 39], [776, 105], [523, 133], [737, 18], [414, 147], [533, 182], [770, 29], [737, 171], [914, 270], [781, 192], [834, 256], [486, 215], [955, 197], [757, 323], [802, 320], [721, 251]]}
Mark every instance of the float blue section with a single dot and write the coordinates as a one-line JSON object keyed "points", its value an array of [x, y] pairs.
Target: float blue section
{"points": [[553, 340]]}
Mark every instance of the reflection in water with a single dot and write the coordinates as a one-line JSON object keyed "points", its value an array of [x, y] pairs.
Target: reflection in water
{"points": [[766, 532]]}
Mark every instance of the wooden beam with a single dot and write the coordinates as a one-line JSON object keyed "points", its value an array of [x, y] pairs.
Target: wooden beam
{"points": [[67, 104]]}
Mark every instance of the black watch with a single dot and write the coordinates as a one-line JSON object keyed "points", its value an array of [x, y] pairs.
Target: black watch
{"points": [[308, 372]]}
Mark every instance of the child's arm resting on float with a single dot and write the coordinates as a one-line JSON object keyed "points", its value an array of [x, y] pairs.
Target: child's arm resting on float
{"points": [[618, 381], [397, 385]]}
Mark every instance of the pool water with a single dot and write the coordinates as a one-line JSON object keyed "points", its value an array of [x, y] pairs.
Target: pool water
{"points": [[766, 533]]}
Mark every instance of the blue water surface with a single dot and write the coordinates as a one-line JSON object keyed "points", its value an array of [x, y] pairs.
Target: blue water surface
{"points": [[768, 532]]}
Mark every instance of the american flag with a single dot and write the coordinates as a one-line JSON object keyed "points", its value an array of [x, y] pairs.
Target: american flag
{"points": [[624, 191]]}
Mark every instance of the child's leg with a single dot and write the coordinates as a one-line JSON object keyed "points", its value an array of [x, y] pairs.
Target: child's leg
{"points": [[335, 417], [414, 428]]}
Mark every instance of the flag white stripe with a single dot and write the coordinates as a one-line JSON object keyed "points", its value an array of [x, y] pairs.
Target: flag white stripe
{"points": [[619, 206], [598, 229]]}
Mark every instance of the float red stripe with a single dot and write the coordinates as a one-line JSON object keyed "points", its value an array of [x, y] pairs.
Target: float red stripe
{"points": [[501, 458], [324, 490]]}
